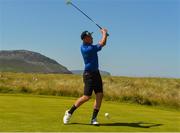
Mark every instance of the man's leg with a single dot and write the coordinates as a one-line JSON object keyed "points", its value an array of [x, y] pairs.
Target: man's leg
{"points": [[98, 100], [87, 78], [97, 105], [78, 103], [82, 100]]}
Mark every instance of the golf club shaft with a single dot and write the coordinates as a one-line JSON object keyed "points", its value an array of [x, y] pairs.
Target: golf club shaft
{"points": [[87, 16]]}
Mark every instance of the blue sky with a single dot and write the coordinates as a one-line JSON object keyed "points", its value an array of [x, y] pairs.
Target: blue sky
{"points": [[144, 34]]}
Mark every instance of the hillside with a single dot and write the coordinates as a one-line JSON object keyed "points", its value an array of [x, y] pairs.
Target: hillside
{"points": [[29, 62]]}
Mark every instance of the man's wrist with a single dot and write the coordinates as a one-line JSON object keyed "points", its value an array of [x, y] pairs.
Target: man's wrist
{"points": [[104, 33]]}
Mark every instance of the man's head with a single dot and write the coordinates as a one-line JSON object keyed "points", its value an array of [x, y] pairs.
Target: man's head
{"points": [[87, 37]]}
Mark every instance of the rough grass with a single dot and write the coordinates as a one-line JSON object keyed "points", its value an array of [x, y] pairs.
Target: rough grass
{"points": [[145, 91]]}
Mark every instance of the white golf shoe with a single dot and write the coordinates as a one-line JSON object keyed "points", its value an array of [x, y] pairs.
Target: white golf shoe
{"points": [[94, 122], [66, 117]]}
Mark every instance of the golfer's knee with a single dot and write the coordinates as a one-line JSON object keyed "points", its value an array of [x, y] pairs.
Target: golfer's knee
{"points": [[100, 95], [86, 98]]}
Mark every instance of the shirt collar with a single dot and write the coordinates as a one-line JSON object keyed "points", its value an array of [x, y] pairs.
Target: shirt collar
{"points": [[87, 43]]}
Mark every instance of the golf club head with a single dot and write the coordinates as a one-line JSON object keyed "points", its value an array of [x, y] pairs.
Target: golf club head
{"points": [[68, 2]]}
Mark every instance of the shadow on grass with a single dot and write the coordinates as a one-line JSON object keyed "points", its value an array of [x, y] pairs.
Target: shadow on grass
{"points": [[134, 124]]}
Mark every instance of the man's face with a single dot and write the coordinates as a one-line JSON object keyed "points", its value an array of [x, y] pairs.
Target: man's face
{"points": [[88, 39]]}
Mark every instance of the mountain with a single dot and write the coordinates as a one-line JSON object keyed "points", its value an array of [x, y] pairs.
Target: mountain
{"points": [[29, 62], [80, 72]]}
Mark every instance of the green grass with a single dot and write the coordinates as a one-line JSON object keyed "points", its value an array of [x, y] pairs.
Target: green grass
{"points": [[144, 91], [44, 113]]}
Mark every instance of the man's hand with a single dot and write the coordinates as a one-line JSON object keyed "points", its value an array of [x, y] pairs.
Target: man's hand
{"points": [[104, 32], [102, 42]]}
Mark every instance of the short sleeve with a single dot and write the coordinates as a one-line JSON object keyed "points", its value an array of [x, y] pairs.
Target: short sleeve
{"points": [[98, 47]]}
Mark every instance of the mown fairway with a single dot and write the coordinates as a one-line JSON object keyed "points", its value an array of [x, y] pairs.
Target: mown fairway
{"points": [[44, 113]]}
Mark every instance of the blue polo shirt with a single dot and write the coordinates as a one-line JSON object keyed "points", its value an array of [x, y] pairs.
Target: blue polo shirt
{"points": [[89, 53]]}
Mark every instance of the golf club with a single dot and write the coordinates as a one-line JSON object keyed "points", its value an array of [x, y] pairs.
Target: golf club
{"points": [[68, 2]]}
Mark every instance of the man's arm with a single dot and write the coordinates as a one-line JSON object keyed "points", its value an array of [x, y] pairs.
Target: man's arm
{"points": [[103, 40]]}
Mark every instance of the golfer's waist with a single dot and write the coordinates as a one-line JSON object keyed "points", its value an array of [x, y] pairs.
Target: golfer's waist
{"points": [[91, 71]]}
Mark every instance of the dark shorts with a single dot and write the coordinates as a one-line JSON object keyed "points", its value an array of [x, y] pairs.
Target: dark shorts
{"points": [[92, 82]]}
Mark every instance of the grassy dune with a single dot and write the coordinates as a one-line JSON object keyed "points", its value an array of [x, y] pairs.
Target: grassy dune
{"points": [[148, 91]]}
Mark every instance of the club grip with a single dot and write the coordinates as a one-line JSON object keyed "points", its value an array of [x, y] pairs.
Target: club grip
{"points": [[101, 28]]}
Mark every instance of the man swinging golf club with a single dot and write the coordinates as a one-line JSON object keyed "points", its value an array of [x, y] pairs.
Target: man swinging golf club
{"points": [[91, 76]]}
